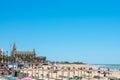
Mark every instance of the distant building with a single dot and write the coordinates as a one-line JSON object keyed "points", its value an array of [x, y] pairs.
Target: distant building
{"points": [[16, 53]]}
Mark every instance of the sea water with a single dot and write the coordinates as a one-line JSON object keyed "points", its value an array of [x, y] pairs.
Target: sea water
{"points": [[112, 67]]}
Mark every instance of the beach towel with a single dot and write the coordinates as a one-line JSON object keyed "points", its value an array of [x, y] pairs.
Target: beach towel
{"points": [[26, 79]]}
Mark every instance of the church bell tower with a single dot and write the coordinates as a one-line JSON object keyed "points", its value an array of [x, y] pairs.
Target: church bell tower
{"points": [[13, 50]]}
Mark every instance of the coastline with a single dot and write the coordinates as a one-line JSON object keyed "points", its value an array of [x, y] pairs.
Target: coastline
{"points": [[58, 71], [70, 72]]}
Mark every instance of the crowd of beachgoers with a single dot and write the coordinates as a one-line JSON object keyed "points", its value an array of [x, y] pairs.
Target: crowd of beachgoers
{"points": [[57, 72]]}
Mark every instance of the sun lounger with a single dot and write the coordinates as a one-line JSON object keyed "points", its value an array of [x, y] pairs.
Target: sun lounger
{"points": [[74, 78], [47, 75], [35, 77], [112, 78], [41, 75], [97, 77], [61, 76]]}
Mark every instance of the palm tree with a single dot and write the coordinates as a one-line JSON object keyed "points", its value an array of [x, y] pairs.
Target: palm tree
{"points": [[42, 72], [0, 57], [44, 59]]}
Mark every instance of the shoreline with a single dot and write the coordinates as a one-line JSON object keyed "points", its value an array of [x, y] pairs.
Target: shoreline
{"points": [[71, 72], [66, 70]]}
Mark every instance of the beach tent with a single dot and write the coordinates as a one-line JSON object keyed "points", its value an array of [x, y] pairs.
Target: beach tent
{"points": [[26, 79]]}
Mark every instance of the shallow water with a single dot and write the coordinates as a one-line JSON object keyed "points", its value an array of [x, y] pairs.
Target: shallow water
{"points": [[112, 67]]}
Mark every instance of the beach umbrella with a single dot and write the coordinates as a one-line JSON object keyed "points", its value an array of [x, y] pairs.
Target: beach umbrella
{"points": [[80, 69], [26, 79], [108, 71], [90, 72], [51, 72], [35, 72], [68, 69], [38, 72], [42, 71], [99, 73], [62, 73], [68, 73], [27, 70], [31, 72], [83, 69], [73, 72], [47, 75], [56, 73]]}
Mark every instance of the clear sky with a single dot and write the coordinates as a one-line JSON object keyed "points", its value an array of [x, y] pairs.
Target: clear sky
{"points": [[63, 30]]}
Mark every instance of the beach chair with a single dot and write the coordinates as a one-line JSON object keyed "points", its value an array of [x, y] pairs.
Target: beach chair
{"points": [[70, 78], [96, 77], [112, 78], [41, 75], [35, 77], [77, 78], [47, 75]]}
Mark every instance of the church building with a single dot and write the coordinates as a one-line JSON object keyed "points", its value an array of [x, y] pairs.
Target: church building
{"points": [[16, 53]]}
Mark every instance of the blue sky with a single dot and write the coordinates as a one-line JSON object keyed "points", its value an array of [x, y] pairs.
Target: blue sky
{"points": [[63, 30]]}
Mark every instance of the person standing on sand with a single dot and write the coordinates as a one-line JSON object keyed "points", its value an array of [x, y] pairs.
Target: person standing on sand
{"points": [[104, 74]]}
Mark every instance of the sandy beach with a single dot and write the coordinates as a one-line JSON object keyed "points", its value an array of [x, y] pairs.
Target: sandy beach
{"points": [[62, 71]]}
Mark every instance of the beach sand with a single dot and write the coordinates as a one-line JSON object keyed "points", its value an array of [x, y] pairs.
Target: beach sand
{"points": [[67, 73]]}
